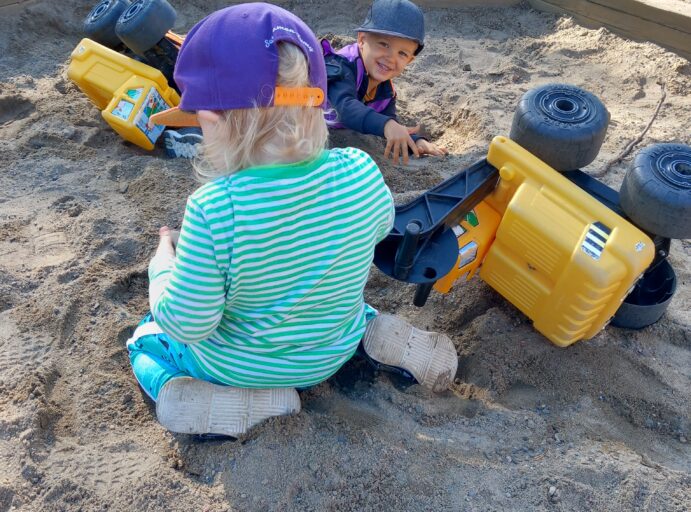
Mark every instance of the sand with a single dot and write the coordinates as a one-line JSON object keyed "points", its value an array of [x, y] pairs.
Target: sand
{"points": [[602, 425]]}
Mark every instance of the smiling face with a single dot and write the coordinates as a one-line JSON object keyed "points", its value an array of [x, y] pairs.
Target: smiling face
{"points": [[385, 57]]}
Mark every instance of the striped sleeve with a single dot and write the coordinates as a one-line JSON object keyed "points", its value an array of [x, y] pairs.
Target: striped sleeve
{"points": [[194, 284], [386, 221]]}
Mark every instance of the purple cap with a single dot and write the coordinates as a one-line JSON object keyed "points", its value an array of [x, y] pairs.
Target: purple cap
{"points": [[229, 60]]}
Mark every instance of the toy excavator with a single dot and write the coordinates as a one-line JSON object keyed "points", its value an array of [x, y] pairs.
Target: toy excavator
{"points": [[125, 65], [569, 252]]}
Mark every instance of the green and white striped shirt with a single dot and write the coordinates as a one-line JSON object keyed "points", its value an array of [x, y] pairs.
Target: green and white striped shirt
{"points": [[267, 282]]}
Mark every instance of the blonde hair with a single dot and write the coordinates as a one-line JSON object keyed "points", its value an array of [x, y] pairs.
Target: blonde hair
{"points": [[264, 136]]}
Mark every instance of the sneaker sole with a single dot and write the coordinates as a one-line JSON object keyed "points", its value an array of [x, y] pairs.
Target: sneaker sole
{"points": [[429, 356], [181, 145], [191, 406]]}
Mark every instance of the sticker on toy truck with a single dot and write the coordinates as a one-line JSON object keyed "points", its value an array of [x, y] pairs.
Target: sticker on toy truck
{"points": [[153, 103], [470, 218], [135, 94], [123, 109], [595, 240], [467, 254]]}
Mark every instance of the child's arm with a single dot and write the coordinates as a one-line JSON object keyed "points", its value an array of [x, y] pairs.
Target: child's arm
{"points": [[353, 114], [424, 147], [342, 95], [187, 286], [399, 141]]}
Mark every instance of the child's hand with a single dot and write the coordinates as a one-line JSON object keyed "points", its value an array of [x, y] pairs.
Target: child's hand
{"points": [[427, 148], [167, 240], [398, 140]]}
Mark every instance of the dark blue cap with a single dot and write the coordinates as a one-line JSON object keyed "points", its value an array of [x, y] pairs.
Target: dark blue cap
{"points": [[400, 18]]}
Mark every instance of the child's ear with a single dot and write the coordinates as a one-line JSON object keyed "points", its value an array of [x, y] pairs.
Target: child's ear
{"points": [[360, 39], [209, 116], [209, 122]]}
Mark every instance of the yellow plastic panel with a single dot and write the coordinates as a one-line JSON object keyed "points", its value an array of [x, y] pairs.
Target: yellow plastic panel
{"points": [[561, 257], [99, 71], [127, 91], [475, 233], [131, 107]]}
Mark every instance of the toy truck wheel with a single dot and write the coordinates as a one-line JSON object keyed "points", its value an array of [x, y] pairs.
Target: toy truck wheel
{"points": [[649, 299], [99, 24], [144, 24], [561, 124], [656, 192]]}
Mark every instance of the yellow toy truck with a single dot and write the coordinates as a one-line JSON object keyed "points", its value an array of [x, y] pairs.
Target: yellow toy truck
{"points": [[126, 65], [565, 249]]}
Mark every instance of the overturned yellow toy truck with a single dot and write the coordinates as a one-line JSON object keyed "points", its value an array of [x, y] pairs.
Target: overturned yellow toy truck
{"points": [[125, 66], [126, 91], [568, 251]]}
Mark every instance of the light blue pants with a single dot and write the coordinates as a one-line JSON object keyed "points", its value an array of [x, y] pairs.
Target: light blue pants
{"points": [[157, 358]]}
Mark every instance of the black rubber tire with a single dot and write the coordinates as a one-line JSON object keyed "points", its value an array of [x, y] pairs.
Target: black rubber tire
{"points": [[99, 24], [561, 124], [649, 299], [656, 192], [144, 24]]}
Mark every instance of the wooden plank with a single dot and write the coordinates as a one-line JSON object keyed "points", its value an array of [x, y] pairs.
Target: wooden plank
{"points": [[13, 3], [644, 10], [673, 35]]}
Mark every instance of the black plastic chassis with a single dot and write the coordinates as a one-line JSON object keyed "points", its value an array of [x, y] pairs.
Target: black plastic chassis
{"points": [[422, 247]]}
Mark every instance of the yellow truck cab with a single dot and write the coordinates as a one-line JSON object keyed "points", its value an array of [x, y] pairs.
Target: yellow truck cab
{"points": [[559, 255]]}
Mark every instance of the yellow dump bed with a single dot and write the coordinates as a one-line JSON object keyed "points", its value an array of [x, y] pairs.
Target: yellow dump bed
{"points": [[560, 256]]}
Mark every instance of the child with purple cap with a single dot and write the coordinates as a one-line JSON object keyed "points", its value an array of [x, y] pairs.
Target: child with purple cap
{"points": [[262, 291], [360, 86]]}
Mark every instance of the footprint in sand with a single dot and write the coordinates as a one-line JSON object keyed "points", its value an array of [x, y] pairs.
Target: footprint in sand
{"points": [[22, 352], [13, 108], [104, 465], [34, 251]]}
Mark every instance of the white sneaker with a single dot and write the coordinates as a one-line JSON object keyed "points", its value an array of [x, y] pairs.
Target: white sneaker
{"points": [[182, 143], [430, 357], [191, 406]]}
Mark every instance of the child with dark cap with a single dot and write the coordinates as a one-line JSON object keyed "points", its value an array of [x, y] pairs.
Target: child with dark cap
{"points": [[262, 292], [360, 87]]}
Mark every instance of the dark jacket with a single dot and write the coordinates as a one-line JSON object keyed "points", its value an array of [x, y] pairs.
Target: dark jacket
{"points": [[347, 86]]}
